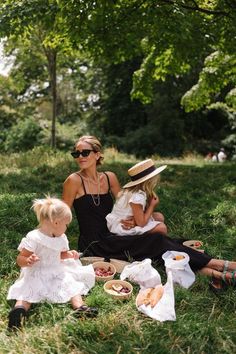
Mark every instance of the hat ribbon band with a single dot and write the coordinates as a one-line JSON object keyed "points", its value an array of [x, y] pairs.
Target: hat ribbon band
{"points": [[143, 173]]}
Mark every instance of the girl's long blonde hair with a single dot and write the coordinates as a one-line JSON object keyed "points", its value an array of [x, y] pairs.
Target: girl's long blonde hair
{"points": [[147, 186], [51, 208]]}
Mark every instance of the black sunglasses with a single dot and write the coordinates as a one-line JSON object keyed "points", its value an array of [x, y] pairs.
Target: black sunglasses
{"points": [[84, 153]]}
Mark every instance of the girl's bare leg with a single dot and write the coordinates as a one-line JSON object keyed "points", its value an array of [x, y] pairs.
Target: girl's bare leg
{"points": [[158, 216], [81, 309], [160, 228], [23, 303], [18, 315], [77, 301]]}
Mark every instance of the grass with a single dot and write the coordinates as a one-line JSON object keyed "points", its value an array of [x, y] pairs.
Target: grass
{"points": [[198, 201]]}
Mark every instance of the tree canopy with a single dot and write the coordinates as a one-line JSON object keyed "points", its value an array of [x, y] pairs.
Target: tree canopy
{"points": [[164, 41]]}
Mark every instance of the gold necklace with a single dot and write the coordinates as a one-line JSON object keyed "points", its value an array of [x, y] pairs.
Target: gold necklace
{"points": [[95, 198]]}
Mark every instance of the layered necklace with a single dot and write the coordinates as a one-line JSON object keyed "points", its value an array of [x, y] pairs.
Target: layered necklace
{"points": [[95, 197]]}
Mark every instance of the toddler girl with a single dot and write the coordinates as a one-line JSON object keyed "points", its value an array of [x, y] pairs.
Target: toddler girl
{"points": [[49, 270], [138, 200]]}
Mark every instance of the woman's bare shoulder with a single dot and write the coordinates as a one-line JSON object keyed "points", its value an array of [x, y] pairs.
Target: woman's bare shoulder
{"points": [[112, 176], [72, 178]]}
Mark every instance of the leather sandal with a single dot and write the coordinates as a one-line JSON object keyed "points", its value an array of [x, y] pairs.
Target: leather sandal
{"points": [[230, 280], [86, 311], [16, 318], [217, 286]]}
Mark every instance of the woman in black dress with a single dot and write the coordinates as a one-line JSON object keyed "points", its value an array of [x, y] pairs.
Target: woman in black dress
{"points": [[91, 194]]}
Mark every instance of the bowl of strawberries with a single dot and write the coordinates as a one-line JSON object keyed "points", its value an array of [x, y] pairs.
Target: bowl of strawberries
{"points": [[104, 270]]}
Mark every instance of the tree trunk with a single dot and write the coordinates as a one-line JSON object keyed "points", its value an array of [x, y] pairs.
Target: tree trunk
{"points": [[52, 69]]}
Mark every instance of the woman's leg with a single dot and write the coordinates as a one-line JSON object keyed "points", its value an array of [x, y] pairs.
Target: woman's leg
{"points": [[221, 265]]}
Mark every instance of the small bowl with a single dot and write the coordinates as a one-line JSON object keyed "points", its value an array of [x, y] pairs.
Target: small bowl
{"points": [[119, 264], [106, 266], [110, 285], [195, 244], [90, 260]]}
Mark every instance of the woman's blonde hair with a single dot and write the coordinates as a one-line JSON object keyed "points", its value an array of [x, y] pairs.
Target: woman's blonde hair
{"points": [[94, 143], [51, 208]]}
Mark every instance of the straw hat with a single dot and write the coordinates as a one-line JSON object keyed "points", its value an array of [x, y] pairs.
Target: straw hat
{"points": [[143, 171]]}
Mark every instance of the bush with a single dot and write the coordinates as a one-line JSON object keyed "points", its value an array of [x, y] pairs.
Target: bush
{"points": [[66, 135], [23, 136]]}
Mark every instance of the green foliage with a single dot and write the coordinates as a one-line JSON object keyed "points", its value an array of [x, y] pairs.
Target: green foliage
{"points": [[22, 136], [218, 73], [66, 135], [198, 201]]}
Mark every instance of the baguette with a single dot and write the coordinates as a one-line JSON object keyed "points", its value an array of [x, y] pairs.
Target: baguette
{"points": [[150, 296]]}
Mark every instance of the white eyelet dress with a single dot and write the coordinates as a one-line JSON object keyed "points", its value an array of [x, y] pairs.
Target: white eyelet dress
{"points": [[123, 210], [50, 279]]}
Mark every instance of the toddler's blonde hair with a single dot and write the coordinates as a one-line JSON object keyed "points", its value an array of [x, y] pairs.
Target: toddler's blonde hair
{"points": [[51, 208]]}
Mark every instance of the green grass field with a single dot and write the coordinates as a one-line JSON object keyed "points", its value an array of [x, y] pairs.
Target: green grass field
{"points": [[198, 200]]}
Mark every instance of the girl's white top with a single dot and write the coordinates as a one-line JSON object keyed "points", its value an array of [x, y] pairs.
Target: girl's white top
{"points": [[123, 210], [50, 279]]}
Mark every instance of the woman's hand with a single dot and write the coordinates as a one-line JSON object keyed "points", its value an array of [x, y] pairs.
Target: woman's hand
{"points": [[128, 223]]}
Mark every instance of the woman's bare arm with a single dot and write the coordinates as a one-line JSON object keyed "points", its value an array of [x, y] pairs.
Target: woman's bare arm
{"points": [[70, 188], [114, 183]]}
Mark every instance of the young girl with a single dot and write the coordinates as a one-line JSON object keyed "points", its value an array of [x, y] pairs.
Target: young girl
{"points": [[49, 270], [138, 200]]}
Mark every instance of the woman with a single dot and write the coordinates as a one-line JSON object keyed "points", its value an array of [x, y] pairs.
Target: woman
{"points": [[91, 194]]}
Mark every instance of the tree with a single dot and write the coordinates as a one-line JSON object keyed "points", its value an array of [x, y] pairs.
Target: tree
{"points": [[37, 21], [171, 36]]}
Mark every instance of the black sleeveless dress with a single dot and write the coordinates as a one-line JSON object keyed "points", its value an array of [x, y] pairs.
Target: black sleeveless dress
{"points": [[96, 240]]}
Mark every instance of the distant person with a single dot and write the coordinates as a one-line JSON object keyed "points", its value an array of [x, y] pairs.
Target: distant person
{"points": [[214, 157], [222, 157], [45, 277], [208, 157], [138, 200]]}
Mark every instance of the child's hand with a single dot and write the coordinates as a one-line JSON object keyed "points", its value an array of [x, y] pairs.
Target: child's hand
{"points": [[75, 254], [32, 259], [70, 254], [154, 201]]}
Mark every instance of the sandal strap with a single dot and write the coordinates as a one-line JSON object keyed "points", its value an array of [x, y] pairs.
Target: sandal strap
{"points": [[226, 266], [233, 273]]}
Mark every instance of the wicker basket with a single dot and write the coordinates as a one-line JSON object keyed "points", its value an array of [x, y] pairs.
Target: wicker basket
{"points": [[108, 287], [91, 260], [106, 266], [119, 264]]}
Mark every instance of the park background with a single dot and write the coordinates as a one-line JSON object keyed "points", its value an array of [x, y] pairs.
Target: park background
{"points": [[150, 79]]}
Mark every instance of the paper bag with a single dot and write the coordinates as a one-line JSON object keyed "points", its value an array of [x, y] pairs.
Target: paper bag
{"points": [[141, 273], [164, 310], [178, 263]]}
